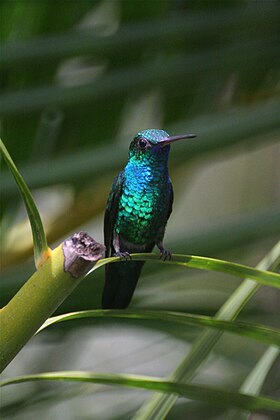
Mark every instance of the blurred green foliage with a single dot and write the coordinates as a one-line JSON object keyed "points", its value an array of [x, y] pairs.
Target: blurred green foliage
{"points": [[78, 80]]}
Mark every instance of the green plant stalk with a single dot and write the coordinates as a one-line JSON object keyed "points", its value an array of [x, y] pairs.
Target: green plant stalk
{"points": [[158, 406], [48, 287], [43, 292], [33, 304]]}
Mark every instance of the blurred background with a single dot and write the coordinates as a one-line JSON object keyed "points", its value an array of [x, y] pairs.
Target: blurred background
{"points": [[78, 80]]}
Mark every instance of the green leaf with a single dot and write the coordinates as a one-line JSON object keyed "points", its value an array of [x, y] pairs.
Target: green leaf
{"points": [[266, 278], [173, 29], [137, 78], [159, 405], [41, 249], [216, 132], [258, 332], [197, 392], [254, 381]]}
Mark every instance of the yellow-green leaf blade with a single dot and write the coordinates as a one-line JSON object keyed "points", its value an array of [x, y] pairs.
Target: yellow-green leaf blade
{"points": [[266, 278], [197, 392], [258, 332], [41, 249]]}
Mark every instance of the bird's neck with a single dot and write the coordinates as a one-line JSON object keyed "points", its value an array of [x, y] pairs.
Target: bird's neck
{"points": [[145, 175], [154, 161], [139, 168]]}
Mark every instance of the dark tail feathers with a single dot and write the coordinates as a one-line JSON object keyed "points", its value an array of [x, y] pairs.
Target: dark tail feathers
{"points": [[120, 282]]}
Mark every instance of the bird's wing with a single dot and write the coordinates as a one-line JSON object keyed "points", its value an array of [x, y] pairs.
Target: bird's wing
{"points": [[170, 203], [111, 212], [161, 231]]}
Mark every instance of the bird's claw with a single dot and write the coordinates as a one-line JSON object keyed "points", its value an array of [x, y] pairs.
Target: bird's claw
{"points": [[123, 255], [165, 254]]}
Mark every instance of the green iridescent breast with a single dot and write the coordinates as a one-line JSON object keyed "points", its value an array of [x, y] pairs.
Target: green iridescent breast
{"points": [[143, 204]]}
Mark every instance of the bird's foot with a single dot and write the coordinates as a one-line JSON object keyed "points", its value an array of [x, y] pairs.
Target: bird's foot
{"points": [[123, 255], [165, 254]]}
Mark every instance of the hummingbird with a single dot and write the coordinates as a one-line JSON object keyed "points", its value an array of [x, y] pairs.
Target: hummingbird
{"points": [[137, 210]]}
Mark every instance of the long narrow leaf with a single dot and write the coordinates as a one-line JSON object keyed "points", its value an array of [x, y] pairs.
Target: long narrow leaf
{"points": [[258, 332], [159, 405], [254, 381], [197, 392], [41, 249], [216, 132], [266, 278], [192, 26], [135, 79]]}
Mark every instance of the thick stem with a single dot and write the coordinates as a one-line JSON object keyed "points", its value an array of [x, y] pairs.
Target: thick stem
{"points": [[46, 289]]}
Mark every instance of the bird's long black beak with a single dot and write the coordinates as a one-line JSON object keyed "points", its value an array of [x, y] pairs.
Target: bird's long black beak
{"points": [[172, 139]]}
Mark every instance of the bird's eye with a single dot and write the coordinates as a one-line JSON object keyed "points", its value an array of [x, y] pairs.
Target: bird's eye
{"points": [[142, 143]]}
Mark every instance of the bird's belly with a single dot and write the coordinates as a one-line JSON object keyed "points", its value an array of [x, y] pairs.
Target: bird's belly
{"points": [[141, 216]]}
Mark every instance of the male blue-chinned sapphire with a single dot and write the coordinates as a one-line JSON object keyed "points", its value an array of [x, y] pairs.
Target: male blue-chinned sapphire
{"points": [[138, 207]]}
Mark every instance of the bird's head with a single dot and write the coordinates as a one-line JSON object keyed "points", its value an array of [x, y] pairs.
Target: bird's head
{"points": [[153, 145]]}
